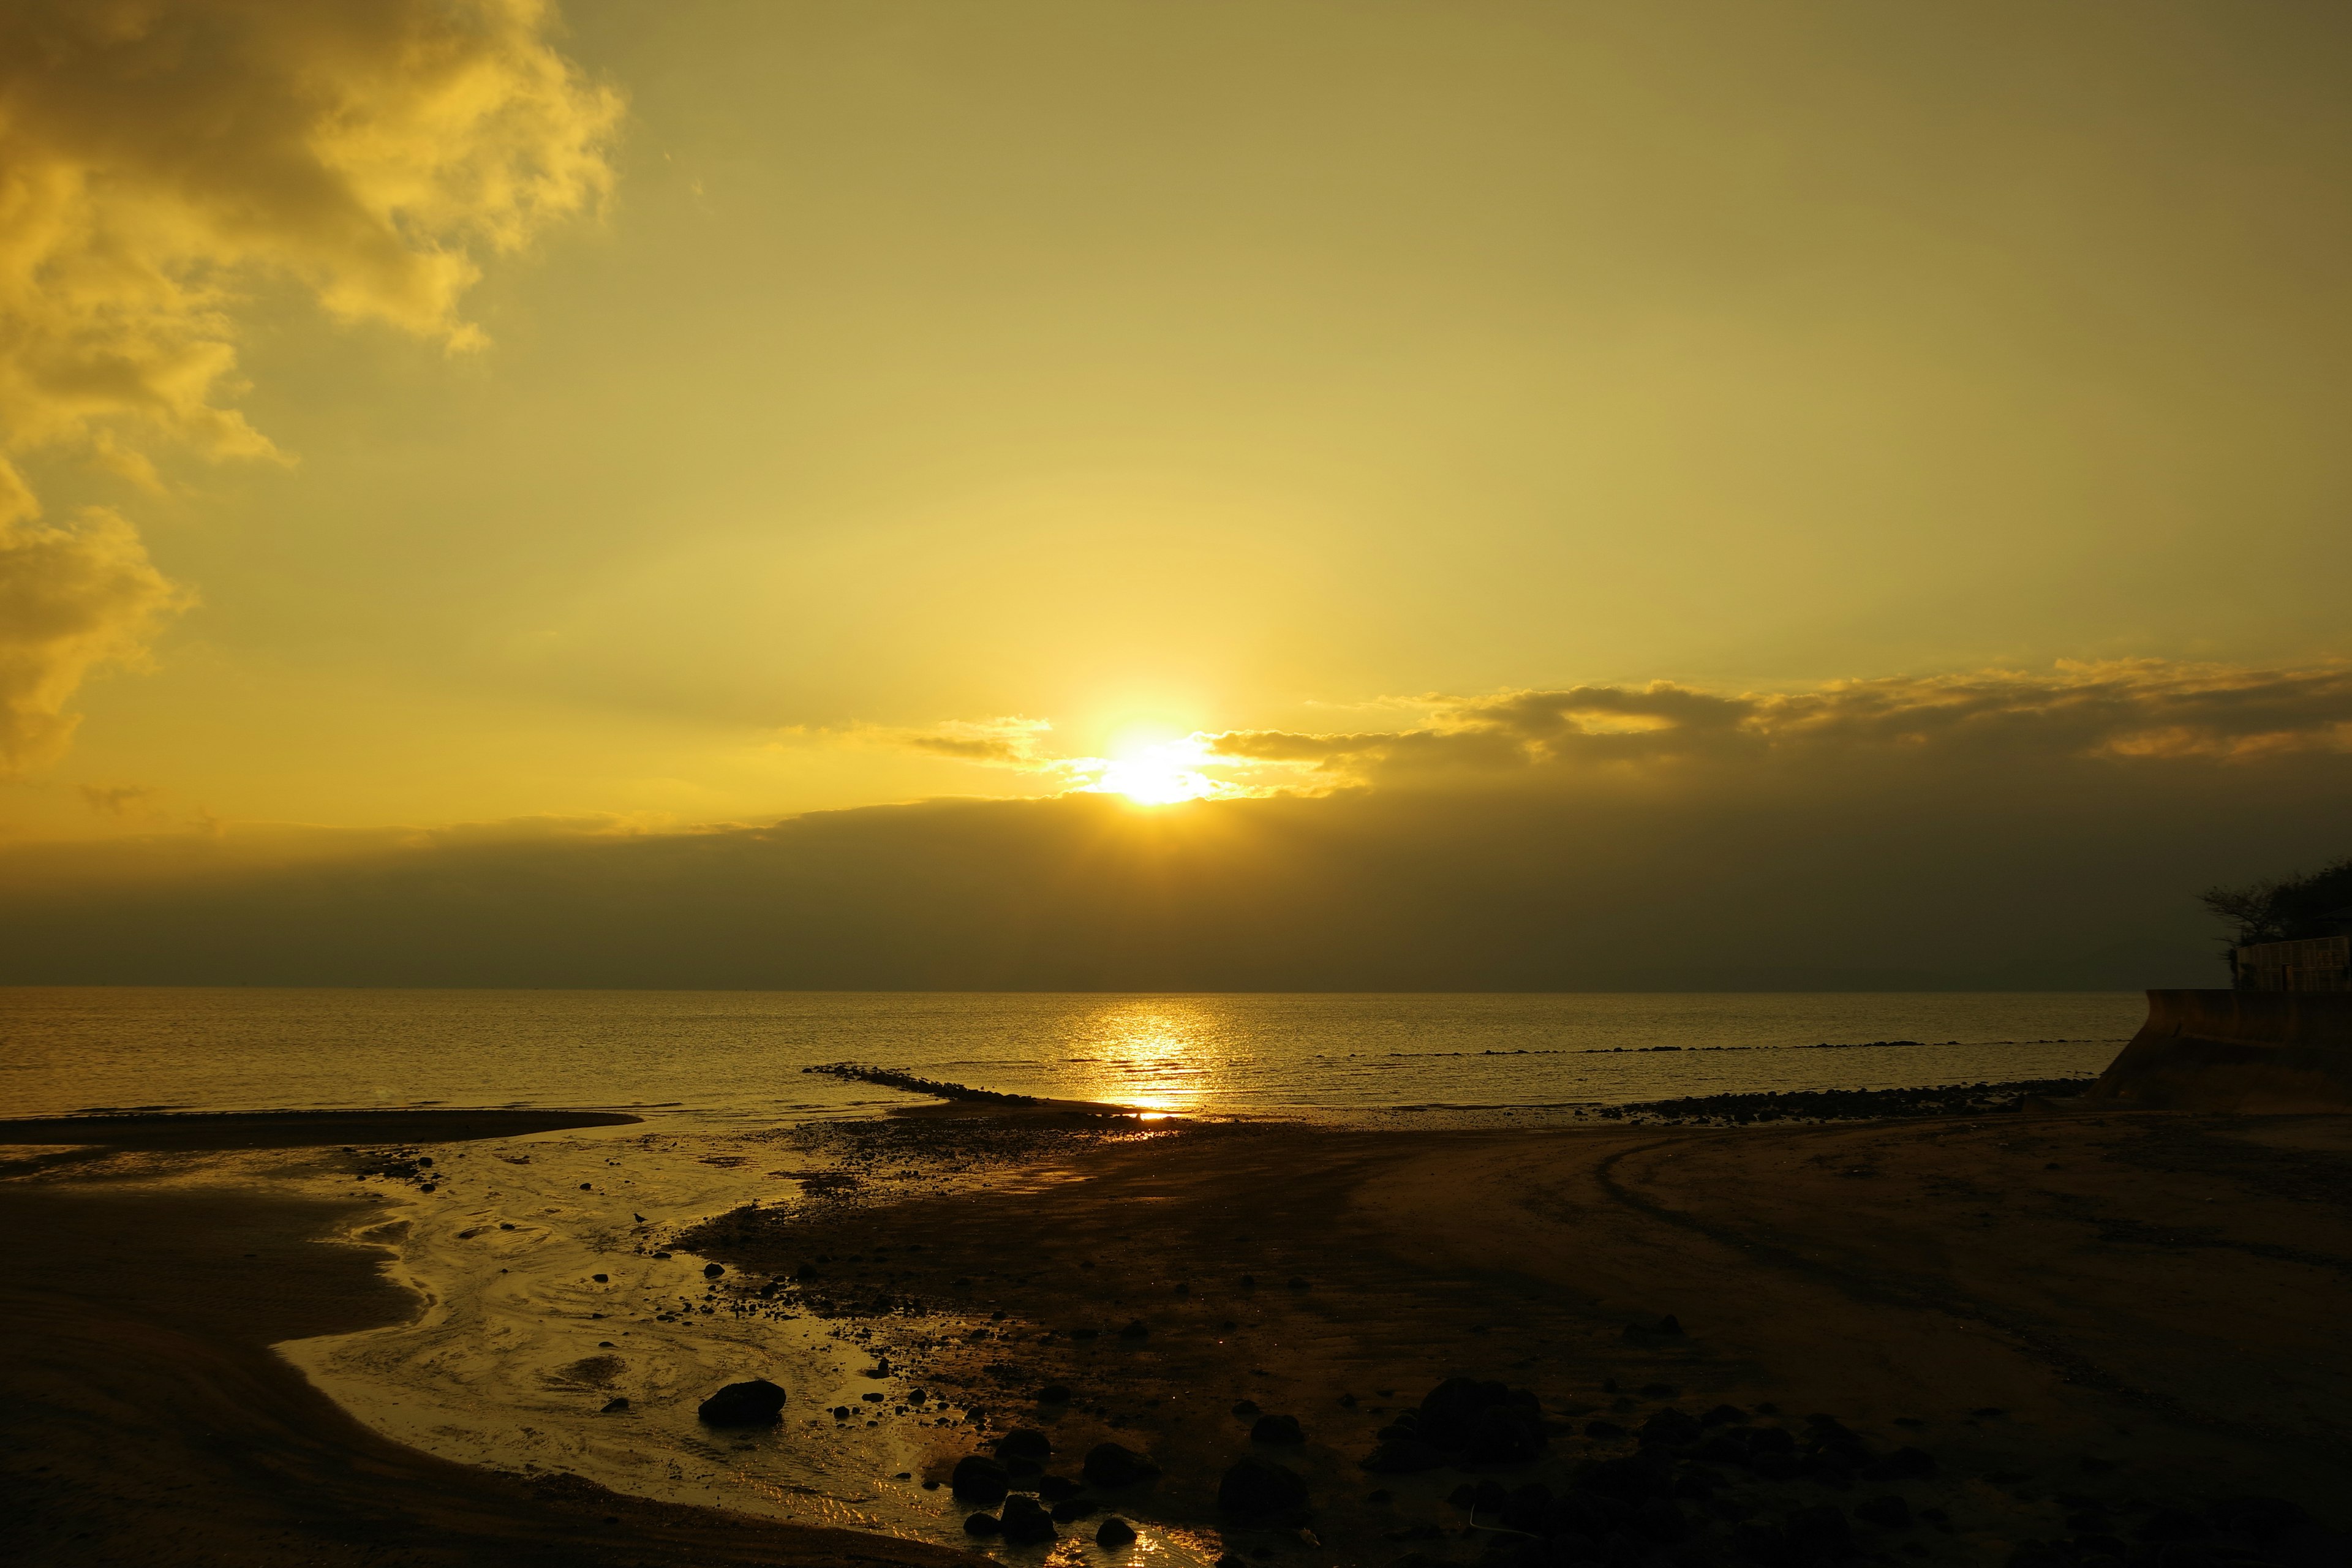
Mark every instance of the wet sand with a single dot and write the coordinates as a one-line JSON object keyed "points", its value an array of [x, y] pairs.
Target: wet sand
{"points": [[143, 1418], [2091, 1318], [2085, 1320]]}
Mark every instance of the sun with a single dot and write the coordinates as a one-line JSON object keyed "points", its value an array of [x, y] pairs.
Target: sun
{"points": [[1160, 774]]}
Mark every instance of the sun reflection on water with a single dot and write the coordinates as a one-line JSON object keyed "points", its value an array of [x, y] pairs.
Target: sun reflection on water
{"points": [[1160, 1056]]}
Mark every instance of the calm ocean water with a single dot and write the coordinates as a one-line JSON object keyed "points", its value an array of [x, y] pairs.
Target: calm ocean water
{"points": [[728, 1058]]}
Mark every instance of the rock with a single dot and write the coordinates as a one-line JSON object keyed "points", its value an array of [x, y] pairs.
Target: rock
{"points": [[1245, 1407], [617, 1403], [1054, 1393], [1025, 1442], [713, 1270], [981, 1524], [1403, 1457], [1723, 1416], [1023, 1523], [1298, 1282], [601, 1278], [1260, 1488], [1886, 1512], [1486, 1423], [2172, 1524], [1671, 1427], [1818, 1532], [1527, 1508], [1054, 1488], [2261, 1518], [1113, 1533], [1249, 1281], [980, 1478], [1073, 1508], [1670, 1324], [1283, 1430], [1911, 1463], [1135, 1330], [758, 1403], [1111, 1465]]}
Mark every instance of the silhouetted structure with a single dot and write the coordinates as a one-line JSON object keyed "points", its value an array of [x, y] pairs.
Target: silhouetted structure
{"points": [[2314, 963]]}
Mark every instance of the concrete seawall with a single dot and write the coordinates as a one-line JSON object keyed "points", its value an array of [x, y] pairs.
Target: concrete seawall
{"points": [[2236, 1050]]}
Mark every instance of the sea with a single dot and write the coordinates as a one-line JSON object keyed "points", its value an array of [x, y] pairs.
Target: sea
{"points": [[546, 1268], [737, 1058]]}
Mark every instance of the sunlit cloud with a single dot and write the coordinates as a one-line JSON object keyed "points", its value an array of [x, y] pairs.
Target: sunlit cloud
{"points": [[159, 159]]}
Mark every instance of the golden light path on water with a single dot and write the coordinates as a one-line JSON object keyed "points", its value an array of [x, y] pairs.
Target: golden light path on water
{"points": [[1156, 1054]]}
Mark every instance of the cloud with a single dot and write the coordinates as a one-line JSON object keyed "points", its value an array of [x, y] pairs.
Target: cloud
{"points": [[2145, 710], [71, 598], [1011, 741], [120, 800], [159, 157], [2006, 831]]}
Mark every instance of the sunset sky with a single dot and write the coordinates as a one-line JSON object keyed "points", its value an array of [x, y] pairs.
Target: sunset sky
{"points": [[440, 420]]}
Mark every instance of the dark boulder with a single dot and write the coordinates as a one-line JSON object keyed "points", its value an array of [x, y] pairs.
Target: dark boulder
{"points": [[1886, 1512], [981, 1524], [1134, 1330], [1112, 1465], [2260, 1518], [981, 1479], [1025, 1523], [2172, 1524], [1527, 1509], [1246, 1407], [1260, 1488], [617, 1403], [1054, 1393], [1671, 1427], [1910, 1463], [1818, 1533], [758, 1403], [713, 1270], [1071, 1508], [1403, 1457], [1484, 1423], [1056, 1489], [1723, 1416], [1281, 1430], [1025, 1442], [1114, 1532]]}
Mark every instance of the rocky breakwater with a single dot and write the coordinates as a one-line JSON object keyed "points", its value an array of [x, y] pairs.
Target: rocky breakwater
{"points": [[2277, 1051]]}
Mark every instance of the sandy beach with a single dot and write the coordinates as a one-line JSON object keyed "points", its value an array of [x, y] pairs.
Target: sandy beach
{"points": [[2102, 1332]]}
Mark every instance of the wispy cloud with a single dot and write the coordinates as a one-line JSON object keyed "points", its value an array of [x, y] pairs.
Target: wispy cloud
{"points": [[2133, 710]]}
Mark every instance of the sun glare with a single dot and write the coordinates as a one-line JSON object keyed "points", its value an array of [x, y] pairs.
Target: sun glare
{"points": [[1161, 774]]}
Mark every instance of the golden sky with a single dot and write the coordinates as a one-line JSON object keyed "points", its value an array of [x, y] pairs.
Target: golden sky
{"points": [[427, 412]]}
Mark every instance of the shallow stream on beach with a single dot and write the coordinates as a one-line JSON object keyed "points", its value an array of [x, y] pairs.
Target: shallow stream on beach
{"points": [[520, 1348]]}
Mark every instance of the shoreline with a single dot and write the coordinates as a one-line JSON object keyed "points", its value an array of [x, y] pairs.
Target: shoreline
{"points": [[145, 1418], [1905, 1275]]}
